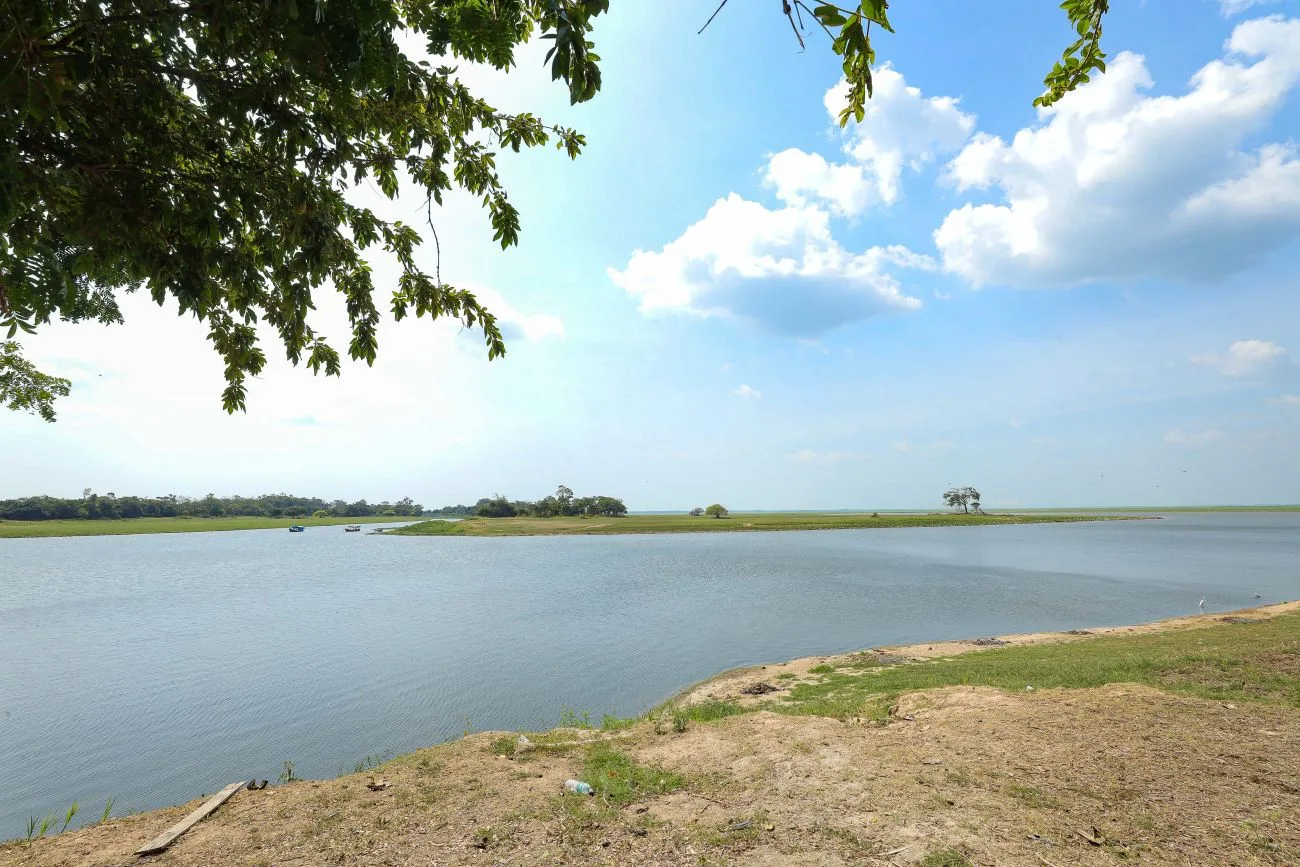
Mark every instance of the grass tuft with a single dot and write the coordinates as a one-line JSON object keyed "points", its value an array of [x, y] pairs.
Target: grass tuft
{"points": [[621, 780], [944, 858]]}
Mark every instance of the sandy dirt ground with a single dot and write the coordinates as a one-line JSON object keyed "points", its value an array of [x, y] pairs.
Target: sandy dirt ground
{"points": [[1117, 774]]}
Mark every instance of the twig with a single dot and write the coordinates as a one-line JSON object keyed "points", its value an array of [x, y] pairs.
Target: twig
{"points": [[714, 800], [437, 245], [711, 17], [785, 7], [893, 851], [1044, 860], [800, 3]]}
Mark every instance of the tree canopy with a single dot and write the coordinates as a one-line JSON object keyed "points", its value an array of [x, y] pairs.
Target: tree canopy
{"points": [[111, 507], [203, 151], [963, 498], [561, 503], [717, 510]]}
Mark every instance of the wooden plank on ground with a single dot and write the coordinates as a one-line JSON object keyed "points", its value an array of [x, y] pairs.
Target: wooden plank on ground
{"points": [[166, 838]]}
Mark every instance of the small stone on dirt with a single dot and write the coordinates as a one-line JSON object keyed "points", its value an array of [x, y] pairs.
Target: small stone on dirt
{"points": [[989, 642]]}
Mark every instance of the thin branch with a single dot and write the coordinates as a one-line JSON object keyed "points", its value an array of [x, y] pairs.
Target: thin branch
{"points": [[800, 3], [437, 245], [711, 17], [785, 7]]}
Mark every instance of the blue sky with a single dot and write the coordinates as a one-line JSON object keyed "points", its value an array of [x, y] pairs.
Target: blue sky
{"points": [[728, 298]]}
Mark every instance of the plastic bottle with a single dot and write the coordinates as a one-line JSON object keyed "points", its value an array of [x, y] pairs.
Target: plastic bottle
{"points": [[578, 787]]}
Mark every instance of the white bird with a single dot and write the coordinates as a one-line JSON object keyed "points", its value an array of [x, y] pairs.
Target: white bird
{"points": [[1202, 603]]}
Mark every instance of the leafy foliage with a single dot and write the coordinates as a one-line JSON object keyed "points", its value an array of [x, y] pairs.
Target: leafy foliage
{"points": [[24, 388], [717, 510], [202, 150], [849, 29], [238, 128], [1083, 57], [561, 503]]}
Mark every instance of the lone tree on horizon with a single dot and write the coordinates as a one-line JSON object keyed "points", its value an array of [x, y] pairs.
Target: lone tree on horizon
{"points": [[696, 512], [963, 497], [717, 510]]}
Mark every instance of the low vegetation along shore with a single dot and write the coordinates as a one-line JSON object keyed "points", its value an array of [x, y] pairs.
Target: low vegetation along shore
{"points": [[735, 522], [1173, 743], [133, 526]]}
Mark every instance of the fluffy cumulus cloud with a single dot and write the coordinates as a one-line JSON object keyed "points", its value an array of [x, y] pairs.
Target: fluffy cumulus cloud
{"points": [[782, 267], [1116, 183], [902, 129], [747, 392], [1246, 358]]}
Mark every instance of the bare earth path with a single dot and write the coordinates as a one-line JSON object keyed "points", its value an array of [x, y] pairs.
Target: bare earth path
{"points": [[1117, 773]]}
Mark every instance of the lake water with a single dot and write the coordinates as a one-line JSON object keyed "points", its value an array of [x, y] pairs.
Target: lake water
{"points": [[152, 669]]}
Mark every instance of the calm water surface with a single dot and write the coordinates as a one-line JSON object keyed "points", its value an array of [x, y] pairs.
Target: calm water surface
{"points": [[152, 669]]}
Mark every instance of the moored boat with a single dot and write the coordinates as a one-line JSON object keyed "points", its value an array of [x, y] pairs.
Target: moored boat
{"points": [[297, 528]]}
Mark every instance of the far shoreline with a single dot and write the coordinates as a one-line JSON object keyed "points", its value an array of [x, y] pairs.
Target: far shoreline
{"points": [[65, 528], [737, 522]]}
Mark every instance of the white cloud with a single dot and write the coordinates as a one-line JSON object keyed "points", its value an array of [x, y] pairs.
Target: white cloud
{"points": [[798, 178], [1286, 399], [781, 268], [803, 456], [901, 129], [1205, 437], [514, 324], [746, 392], [1245, 358], [1230, 8], [1115, 183]]}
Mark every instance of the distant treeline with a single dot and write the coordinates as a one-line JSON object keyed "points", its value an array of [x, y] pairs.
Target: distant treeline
{"points": [[110, 506], [562, 502]]}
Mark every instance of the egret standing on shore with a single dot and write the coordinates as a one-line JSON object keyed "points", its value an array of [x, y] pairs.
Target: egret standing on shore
{"points": [[1202, 603]]}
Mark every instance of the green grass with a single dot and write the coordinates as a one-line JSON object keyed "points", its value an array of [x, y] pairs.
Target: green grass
{"points": [[133, 526], [737, 522], [944, 858], [621, 780], [1228, 662], [708, 711]]}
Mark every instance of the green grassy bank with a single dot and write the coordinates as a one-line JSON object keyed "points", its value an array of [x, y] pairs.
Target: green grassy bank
{"points": [[133, 526], [737, 522], [1238, 661]]}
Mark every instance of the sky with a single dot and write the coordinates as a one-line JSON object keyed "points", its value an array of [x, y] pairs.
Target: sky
{"points": [[727, 298]]}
